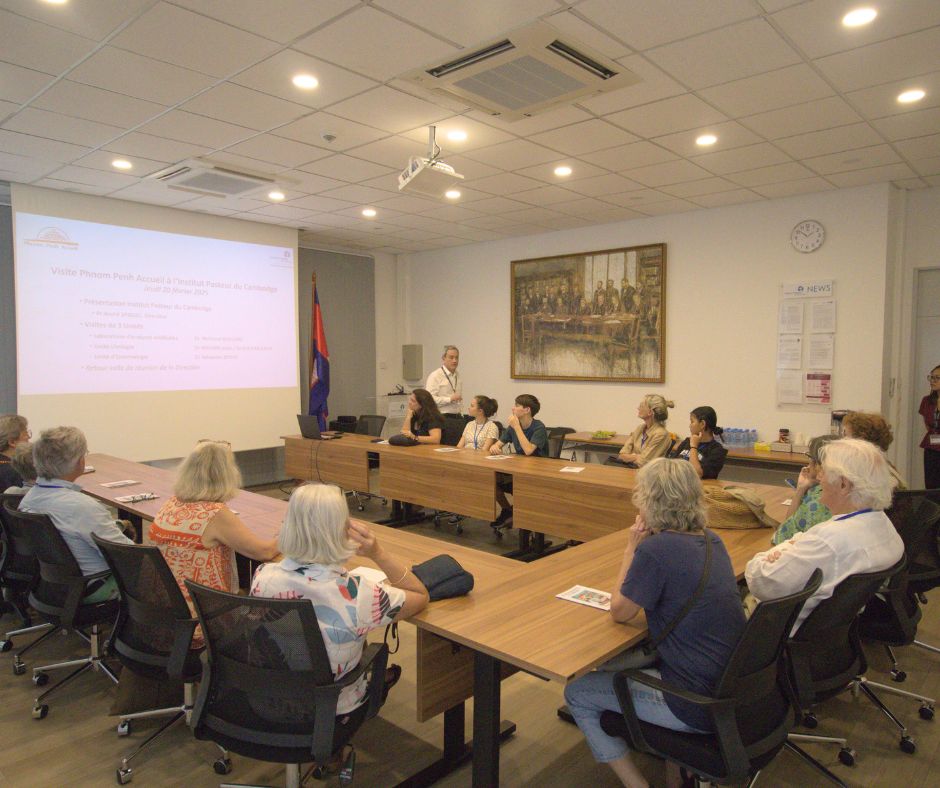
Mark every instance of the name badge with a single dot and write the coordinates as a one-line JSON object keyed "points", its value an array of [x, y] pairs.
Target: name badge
{"points": [[935, 440]]}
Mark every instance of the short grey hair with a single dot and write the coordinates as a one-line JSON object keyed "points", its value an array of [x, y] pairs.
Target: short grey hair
{"points": [[22, 462], [58, 451], [816, 444], [864, 466], [449, 347], [11, 427], [314, 530], [669, 495], [209, 473]]}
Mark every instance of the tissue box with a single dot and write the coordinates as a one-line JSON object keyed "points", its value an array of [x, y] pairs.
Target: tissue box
{"points": [[777, 446]]}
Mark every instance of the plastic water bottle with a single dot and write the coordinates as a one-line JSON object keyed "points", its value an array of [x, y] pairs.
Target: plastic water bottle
{"points": [[751, 437]]}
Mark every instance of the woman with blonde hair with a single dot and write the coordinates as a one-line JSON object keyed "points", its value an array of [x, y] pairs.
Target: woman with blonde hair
{"points": [[651, 439], [195, 530]]}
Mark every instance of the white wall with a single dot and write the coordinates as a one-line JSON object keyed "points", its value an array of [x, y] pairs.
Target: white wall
{"points": [[724, 269]]}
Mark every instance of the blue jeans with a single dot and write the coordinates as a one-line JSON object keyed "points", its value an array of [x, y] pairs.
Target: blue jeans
{"points": [[593, 693]]}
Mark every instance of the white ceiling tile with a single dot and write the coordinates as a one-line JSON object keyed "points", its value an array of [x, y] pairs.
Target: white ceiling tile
{"points": [[153, 193], [187, 127], [245, 107], [584, 137], [91, 20], [61, 127], [697, 188], [374, 54], [546, 172], [84, 101], [285, 212], [7, 108], [563, 116], [101, 160], [600, 185], [278, 150], [246, 164], [817, 28], [479, 135], [71, 186], [791, 188], [760, 176], [390, 151], [468, 24], [735, 197], [911, 124], [929, 167], [910, 183], [312, 184], [406, 204], [887, 61], [20, 84], [667, 173], [669, 206], [863, 158], [761, 155], [667, 116], [513, 155], [548, 195], [32, 166], [588, 34], [654, 85], [494, 221], [882, 100], [469, 168], [41, 148], [888, 172], [504, 183], [636, 199], [274, 76], [318, 203], [155, 148], [346, 168], [142, 77], [389, 183], [812, 116], [920, 147], [543, 216], [281, 20], [730, 53], [348, 133], [647, 23], [579, 206], [933, 180], [95, 177], [776, 5], [400, 112], [636, 154], [819, 143], [610, 215], [24, 42], [764, 92], [452, 213], [227, 203], [178, 36], [357, 194], [499, 206], [730, 135]]}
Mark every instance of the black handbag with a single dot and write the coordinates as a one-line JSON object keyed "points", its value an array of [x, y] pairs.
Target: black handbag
{"points": [[402, 440], [443, 577]]}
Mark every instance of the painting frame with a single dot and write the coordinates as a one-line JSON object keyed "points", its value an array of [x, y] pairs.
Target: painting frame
{"points": [[567, 325]]}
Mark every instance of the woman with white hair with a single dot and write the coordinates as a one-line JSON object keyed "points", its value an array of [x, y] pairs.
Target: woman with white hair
{"points": [[651, 439], [316, 539], [196, 531], [669, 560], [856, 486]]}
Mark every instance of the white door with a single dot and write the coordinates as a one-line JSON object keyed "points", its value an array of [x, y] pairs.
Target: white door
{"points": [[926, 356]]}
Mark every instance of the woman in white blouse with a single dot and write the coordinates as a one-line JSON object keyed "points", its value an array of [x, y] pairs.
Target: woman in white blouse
{"points": [[481, 433]]}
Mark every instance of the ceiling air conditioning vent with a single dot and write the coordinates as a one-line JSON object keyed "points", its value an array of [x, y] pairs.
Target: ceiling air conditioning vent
{"points": [[533, 69], [211, 181]]}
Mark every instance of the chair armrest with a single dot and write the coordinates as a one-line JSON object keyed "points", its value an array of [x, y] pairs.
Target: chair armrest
{"points": [[183, 630], [77, 591]]}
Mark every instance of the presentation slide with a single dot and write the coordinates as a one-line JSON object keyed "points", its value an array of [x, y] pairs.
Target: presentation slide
{"points": [[105, 308]]}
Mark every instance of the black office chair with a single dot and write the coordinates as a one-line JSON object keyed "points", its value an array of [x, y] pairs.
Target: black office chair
{"points": [[153, 637], [454, 424], [556, 440], [751, 708], [19, 571], [372, 426], [268, 690], [923, 569], [58, 597], [826, 658]]}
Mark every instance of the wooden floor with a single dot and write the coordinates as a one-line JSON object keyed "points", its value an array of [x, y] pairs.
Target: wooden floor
{"points": [[76, 745]]}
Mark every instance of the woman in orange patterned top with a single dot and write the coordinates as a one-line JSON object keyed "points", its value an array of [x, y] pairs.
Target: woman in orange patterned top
{"points": [[196, 532]]}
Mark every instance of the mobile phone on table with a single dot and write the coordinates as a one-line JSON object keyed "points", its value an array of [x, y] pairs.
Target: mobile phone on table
{"points": [[790, 483]]}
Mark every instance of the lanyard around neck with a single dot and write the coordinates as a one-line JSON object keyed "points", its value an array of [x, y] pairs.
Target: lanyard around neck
{"points": [[476, 431], [852, 514], [452, 386]]}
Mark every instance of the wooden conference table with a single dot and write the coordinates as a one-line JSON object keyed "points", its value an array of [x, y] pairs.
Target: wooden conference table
{"points": [[511, 620]]}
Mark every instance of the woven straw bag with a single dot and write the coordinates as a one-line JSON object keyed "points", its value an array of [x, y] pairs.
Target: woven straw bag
{"points": [[734, 507]]}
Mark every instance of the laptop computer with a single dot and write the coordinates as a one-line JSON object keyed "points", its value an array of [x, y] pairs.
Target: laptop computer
{"points": [[310, 428]]}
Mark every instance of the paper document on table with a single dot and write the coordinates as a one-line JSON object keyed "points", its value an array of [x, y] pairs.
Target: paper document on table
{"points": [[369, 573], [122, 483], [147, 496], [89, 469], [572, 469], [448, 448], [499, 456], [583, 595]]}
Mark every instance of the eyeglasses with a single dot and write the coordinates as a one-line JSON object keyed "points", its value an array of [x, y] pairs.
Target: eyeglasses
{"points": [[933, 378], [213, 440]]}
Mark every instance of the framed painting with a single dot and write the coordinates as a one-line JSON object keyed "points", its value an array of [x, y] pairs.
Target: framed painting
{"points": [[591, 316]]}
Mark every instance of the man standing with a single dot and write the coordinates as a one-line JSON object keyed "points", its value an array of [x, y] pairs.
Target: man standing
{"points": [[444, 383]]}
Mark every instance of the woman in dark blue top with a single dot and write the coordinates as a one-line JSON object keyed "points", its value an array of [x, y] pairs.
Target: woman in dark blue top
{"points": [[702, 448], [423, 420]]}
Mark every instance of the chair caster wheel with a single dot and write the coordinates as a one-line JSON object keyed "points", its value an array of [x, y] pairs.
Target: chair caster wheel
{"points": [[40, 712], [810, 721], [907, 745], [318, 772], [847, 756], [437, 522], [19, 668], [361, 507], [40, 679], [124, 776], [459, 530], [222, 766], [898, 675], [6, 645], [926, 712], [124, 728]]}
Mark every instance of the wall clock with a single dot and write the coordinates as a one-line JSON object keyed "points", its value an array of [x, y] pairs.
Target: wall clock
{"points": [[808, 236]]}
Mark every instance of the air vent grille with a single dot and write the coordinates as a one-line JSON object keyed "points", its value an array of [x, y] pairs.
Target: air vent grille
{"points": [[468, 60], [520, 83], [203, 178]]}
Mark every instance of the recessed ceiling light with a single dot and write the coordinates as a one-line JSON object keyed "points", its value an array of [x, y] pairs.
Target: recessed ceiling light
{"points": [[56, 2], [276, 196], [706, 139], [305, 81], [369, 213], [910, 96], [452, 194], [859, 17], [563, 171], [122, 164], [457, 135]]}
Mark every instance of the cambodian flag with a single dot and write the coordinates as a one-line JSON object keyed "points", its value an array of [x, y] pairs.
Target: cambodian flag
{"points": [[319, 364]]}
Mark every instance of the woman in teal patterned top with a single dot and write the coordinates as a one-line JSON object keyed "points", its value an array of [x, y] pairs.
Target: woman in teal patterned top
{"points": [[806, 510]]}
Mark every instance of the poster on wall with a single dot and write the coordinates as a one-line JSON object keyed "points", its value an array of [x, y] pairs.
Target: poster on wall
{"points": [[818, 389], [590, 316]]}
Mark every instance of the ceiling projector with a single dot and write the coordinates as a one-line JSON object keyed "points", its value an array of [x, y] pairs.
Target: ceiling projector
{"points": [[429, 176]]}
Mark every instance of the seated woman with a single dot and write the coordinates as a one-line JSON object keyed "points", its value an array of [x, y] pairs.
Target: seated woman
{"points": [[21, 461], [874, 428], [662, 568], [196, 532], [423, 419], [481, 433], [806, 510], [316, 539], [651, 439], [704, 453], [13, 430]]}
